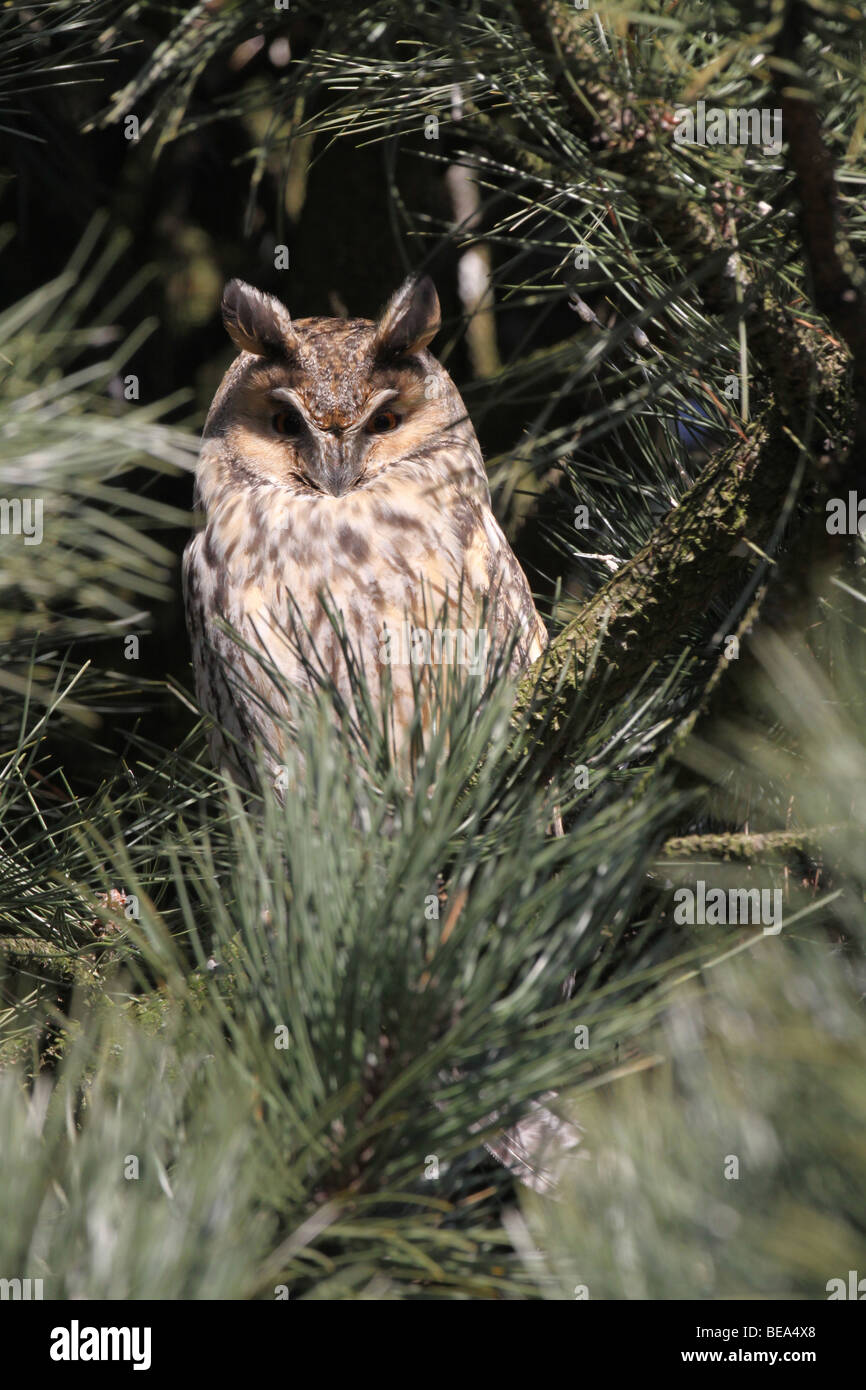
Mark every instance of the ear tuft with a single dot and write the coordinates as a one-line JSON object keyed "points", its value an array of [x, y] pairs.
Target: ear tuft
{"points": [[410, 319], [257, 322]]}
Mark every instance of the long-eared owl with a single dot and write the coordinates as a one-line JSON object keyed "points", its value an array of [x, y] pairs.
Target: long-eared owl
{"points": [[344, 502]]}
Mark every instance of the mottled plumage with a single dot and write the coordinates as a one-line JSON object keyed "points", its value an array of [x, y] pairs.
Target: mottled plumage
{"points": [[338, 459]]}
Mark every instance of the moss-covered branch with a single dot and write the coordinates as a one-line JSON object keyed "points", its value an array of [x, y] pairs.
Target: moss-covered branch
{"points": [[645, 611]]}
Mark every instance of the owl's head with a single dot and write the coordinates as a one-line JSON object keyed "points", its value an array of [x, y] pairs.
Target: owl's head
{"points": [[323, 405]]}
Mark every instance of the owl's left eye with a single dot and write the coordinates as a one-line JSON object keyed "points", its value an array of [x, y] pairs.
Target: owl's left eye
{"points": [[384, 422], [288, 422]]}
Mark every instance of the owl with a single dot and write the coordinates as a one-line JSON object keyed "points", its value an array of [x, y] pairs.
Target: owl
{"points": [[346, 522]]}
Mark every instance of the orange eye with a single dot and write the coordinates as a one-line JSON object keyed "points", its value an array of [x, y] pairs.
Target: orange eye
{"points": [[383, 423], [288, 422]]}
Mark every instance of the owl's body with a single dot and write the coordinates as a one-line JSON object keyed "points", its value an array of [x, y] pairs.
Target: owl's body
{"points": [[339, 471]]}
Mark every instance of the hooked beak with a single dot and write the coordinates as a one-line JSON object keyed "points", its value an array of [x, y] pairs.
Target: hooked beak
{"points": [[340, 461]]}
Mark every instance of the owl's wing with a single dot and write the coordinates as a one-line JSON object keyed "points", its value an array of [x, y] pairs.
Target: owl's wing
{"points": [[494, 571], [195, 618], [213, 656]]}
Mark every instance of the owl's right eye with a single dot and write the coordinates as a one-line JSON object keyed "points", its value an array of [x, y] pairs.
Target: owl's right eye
{"points": [[288, 422]]}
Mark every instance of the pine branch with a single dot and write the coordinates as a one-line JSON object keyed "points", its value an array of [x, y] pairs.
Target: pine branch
{"points": [[645, 611], [634, 148], [749, 846]]}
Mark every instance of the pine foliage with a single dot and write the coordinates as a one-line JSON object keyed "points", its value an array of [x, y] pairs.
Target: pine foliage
{"points": [[252, 1043]]}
